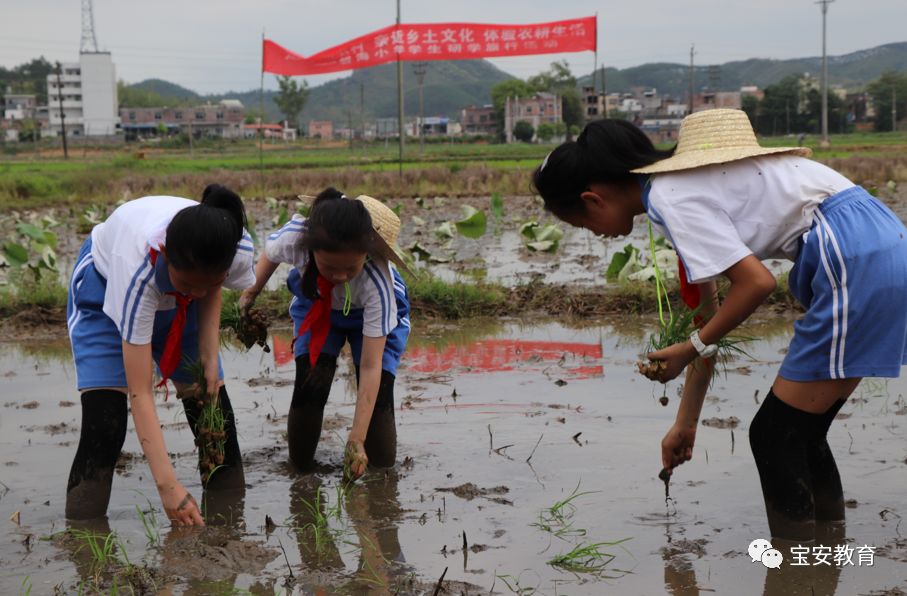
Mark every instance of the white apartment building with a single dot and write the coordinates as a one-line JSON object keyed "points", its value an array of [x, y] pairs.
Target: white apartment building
{"points": [[88, 91]]}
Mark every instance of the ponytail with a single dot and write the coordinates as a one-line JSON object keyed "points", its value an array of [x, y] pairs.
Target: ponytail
{"points": [[222, 197], [205, 236], [334, 224], [605, 152]]}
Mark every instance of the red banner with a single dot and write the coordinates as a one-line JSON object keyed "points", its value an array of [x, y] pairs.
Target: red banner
{"points": [[436, 41]]}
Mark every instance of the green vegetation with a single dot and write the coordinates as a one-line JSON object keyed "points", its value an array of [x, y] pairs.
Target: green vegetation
{"points": [[211, 435], [674, 328], [317, 531], [112, 175], [557, 520], [24, 291], [291, 98], [586, 558]]}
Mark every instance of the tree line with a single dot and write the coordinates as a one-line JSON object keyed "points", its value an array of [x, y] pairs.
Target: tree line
{"points": [[793, 105]]}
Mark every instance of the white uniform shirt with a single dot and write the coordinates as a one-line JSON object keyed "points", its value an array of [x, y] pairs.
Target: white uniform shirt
{"points": [[717, 215], [372, 290], [120, 248]]}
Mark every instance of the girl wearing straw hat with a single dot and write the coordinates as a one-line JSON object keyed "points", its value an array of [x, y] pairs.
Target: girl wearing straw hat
{"points": [[726, 203], [345, 289]]}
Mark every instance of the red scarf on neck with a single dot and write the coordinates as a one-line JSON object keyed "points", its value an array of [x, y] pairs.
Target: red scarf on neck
{"points": [[170, 359], [318, 319], [688, 292]]}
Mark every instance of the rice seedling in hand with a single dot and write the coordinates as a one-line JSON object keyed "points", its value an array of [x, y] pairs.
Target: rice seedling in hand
{"points": [[211, 435], [676, 327], [250, 327]]}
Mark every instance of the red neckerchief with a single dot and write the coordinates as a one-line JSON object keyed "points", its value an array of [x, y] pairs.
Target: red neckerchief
{"points": [[318, 319], [688, 292], [170, 359]]}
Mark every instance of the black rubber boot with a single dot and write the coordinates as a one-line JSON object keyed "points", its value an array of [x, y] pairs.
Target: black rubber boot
{"points": [[779, 437], [827, 490], [104, 416], [310, 394], [381, 438]]}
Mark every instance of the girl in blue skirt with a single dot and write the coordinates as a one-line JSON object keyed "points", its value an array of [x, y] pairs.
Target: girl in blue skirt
{"points": [[145, 289], [345, 289], [726, 204]]}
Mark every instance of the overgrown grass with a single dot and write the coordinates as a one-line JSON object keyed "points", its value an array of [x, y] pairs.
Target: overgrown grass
{"points": [[455, 300], [25, 290]]}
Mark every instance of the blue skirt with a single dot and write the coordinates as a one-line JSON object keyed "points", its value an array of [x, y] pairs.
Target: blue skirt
{"points": [[851, 275], [97, 346], [348, 328]]}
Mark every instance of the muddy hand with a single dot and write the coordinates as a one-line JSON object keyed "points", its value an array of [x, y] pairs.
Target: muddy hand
{"points": [[677, 446], [180, 507], [675, 359], [246, 300], [355, 460]]}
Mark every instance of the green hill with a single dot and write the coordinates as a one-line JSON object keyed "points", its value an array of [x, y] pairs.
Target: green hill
{"points": [[166, 89], [450, 86], [852, 71]]}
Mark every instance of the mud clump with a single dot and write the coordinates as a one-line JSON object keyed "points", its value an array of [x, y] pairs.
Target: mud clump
{"points": [[730, 422], [470, 491], [252, 329], [212, 554], [651, 368]]}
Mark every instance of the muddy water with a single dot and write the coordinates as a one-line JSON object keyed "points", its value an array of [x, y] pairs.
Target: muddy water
{"points": [[472, 406]]}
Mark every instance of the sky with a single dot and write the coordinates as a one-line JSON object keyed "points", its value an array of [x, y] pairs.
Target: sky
{"points": [[213, 46]]}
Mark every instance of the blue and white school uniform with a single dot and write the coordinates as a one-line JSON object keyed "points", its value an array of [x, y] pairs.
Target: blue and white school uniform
{"points": [[379, 304], [117, 293], [849, 253]]}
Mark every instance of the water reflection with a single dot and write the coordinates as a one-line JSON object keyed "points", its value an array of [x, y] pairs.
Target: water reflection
{"points": [[332, 521]]}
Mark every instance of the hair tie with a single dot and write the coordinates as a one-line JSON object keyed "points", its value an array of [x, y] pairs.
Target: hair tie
{"points": [[545, 161]]}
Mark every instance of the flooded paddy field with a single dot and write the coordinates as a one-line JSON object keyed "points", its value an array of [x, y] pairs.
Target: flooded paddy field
{"points": [[498, 422]]}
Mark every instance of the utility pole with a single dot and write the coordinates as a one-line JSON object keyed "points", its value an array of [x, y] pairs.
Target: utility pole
{"points": [[400, 98], [824, 142], [419, 69], [604, 93], [62, 114], [894, 109], [362, 108], [787, 115], [692, 53]]}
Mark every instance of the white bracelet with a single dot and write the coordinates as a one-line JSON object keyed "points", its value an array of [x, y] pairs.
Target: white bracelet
{"points": [[706, 351]]}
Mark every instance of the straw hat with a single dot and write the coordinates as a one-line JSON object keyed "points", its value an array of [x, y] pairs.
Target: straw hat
{"points": [[712, 137], [387, 224]]}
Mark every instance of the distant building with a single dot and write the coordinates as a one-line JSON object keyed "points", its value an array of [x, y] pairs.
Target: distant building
{"points": [[661, 130], [321, 129], [87, 90], [222, 120], [385, 128], [433, 126], [599, 105], [710, 100], [17, 106], [269, 131], [751, 90], [542, 107], [479, 120]]}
